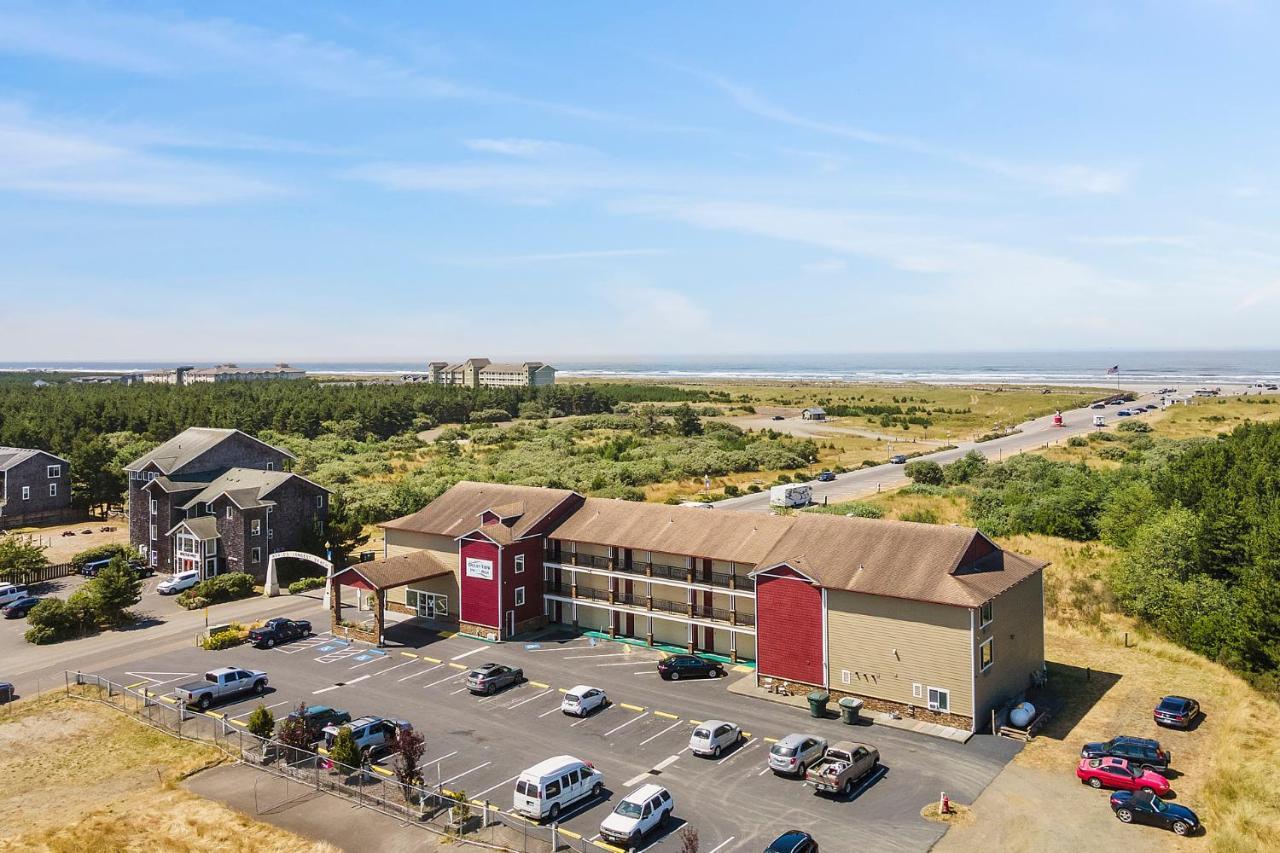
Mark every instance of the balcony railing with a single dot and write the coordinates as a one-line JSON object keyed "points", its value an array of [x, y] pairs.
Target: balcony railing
{"points": [[681, 574], [666, 605]]}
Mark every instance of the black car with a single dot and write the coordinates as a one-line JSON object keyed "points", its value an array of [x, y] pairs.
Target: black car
{"points": [[1141, 752], [676, 667], [1098, 406], [826, 477], [793, 841], [20, 607], [1177, 712], [6, 692], [279, 630], [1141, 807], [778, 418], [316, 717], [142, 570]]}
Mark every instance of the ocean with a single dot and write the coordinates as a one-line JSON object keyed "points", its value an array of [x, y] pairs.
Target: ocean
{"points": [[1219, 367]]}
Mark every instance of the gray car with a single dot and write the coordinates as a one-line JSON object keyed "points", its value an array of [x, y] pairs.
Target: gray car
{"points": [[492, 677], [794, 753]]}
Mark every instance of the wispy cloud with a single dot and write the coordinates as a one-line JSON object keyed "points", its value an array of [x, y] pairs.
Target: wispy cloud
{"points": [[659, 312], [825, 266], [1065, 179], [585, 255], [47, 159], [531, 149]]}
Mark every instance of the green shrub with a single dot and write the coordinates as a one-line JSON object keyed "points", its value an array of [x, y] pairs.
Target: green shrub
{"points": [[489, 416], [1133, 426], [53, 620], [101, 552], [261, 722], [857, 509], [344, 749], [1077, 441], [924, 489], [924, 515], [192, 602], [753, 488], [1114, 454], [217, 589], [925, 472], [304, 584], [732, 491], [227, 639]]}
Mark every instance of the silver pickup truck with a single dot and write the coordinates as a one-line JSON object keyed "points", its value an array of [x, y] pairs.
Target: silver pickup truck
{"points": [[845, 764], [220, 684]]}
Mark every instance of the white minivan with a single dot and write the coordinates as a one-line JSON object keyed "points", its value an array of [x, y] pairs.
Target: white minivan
{"points": [[11, 592], [548, 787], [178, 581]]}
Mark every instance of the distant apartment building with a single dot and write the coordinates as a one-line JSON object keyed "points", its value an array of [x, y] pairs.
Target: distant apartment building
{"points": [[219, 500], [482, 373], [109, 379], [35, 487], [167, 376], [234, 373]]}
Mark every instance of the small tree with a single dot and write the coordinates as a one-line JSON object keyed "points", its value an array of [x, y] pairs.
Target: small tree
{"points": [[21, 559], [687, 420], [261, 722], [343, 531], [924, 471], [410, 747], [116, 588], [296, 733], [344, 750]]}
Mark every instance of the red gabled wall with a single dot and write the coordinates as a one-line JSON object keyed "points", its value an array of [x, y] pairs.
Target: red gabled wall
{"points": [[479, 597], [789, 617], [531, 579], [978, 548]]}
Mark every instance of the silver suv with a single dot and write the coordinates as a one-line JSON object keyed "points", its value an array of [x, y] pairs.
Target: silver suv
{"points": [[794, 753]]}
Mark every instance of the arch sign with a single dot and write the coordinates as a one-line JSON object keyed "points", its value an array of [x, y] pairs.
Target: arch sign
{"points": [[272, 586]]}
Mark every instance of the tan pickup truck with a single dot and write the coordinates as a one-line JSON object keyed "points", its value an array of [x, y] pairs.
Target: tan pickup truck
{"points": [[844, 765]]}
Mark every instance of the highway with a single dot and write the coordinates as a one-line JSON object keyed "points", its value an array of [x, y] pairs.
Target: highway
{"points": [[1033, 434]]}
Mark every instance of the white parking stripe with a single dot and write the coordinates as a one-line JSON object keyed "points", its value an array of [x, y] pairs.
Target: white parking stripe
{"points": [[646, 672], [627, 723], [499, 785], [397, 666], [467, 654], [764, 771], [721, 845], [552, 711], [748, 745], [661, 733], [459, 690], [609, 655], [453, 677], [623, 663], [378, 659], [590, 716], [247, 713], [421, 672], [429, 762], [666, 762], [325, 689], [465, 772], [527, 701]]}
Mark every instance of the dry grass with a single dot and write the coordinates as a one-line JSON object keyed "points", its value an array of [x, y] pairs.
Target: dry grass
{"points": [[78, 776], [960, 815], [1213, 416]]}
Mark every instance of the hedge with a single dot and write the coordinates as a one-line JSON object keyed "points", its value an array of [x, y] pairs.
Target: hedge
{"points": [[217, 589], [101, 552], [306, 584]]}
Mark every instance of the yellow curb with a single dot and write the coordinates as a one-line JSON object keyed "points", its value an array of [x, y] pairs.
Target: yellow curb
{"points": [[456, 665], [539, 685], [216, 715], [630, 707], [741, 668], [607, 846], [665, 714], [409, 654], [563, 689], [570, 833], [433, 660], [771, 740], [135, 686], [238, 723], [446, 634], [695, 722], [384, 771], [453, 795], [168, 699]]}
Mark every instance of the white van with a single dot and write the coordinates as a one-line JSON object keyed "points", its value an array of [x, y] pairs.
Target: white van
{"points": [[640, 812], [11, 592], [548, 787], [791, 495], [178, 581]]}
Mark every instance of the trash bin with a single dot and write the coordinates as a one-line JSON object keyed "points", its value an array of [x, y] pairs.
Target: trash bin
{"points": [[850, 708], [818, 700]]}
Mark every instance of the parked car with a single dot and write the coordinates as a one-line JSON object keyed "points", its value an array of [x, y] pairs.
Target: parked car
{"points": [[279, 630], [676, 667], [637, 814], [492, 677], [1151, 407], [317, 717], [6, 692], [1098, 406], [19, 607], [793, 841], [826, 477], [1177, 712], [142, 570], [219, 684], [1140, 751], [90, 570], [795, 752], [713, 737], [178, 581], [842, 767], [1124, 413], [1141, 807], [898, 459], [549, 786], [1121, 775], [371, 734], [11, 592], [778, 418], [582, 700]]}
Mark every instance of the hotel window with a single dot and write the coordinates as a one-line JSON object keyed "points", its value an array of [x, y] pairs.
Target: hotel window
{"points": [[155, 558], [986, 655], [230, 513], [939, 699], [26, 493], [319, 501], [519, 596], [255, 527], [155, 506], [212, 547], [271, 466], [53, 490], [153, 531], [210, 567], [519, 564], [256, 555], [54, 471], [984, 615]]}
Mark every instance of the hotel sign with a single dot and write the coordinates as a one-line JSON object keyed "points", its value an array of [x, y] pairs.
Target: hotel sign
{"points": [[482, 569]]}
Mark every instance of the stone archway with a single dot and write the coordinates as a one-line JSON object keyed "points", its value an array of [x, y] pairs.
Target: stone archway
{"points": [[272, 586]]}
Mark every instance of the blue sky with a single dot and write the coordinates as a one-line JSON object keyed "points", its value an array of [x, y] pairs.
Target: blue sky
{"points": [[408, 180]]}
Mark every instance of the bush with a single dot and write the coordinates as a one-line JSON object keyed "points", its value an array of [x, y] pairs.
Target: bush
{"points": [[261, 722], [753, 488], [227, 639], [344, 749], [924, 471], [217, 589], [1133, 426], [923, 515], [1077, 441], [20, 560], [924, 489], [489, 416], [305, 584], [53, 620], [101, 552], [857, 509], [1113, 454], [732, 491]]}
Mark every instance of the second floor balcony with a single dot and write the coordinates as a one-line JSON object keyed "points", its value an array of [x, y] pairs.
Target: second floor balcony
{"points": [[623, 600], [659, 571]]}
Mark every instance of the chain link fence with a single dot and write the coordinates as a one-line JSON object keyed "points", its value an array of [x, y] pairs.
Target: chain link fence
{"points": [[433, 808]]}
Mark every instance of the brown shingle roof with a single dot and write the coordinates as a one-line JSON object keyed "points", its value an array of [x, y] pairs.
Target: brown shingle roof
{"points": [[399, 570], [740, 537], [457, 511], [900, 559]]}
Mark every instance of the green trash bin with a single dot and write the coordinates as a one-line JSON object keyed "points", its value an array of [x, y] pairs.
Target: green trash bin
{"points": [[818, 700], [850, 709]]}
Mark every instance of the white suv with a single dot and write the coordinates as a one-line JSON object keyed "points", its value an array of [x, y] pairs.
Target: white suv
{"points": [[639, 813], [177, 582]]}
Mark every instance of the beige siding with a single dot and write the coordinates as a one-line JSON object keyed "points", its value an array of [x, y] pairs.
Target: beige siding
{"points": [[443, 548], [746, 647], [670, 633], [888, 644], [1017, 635], [593, 618]]}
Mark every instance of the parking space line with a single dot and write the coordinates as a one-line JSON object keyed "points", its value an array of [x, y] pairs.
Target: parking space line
{"points": [[325, 689], [476, 650], [665, 763], [623, 663], [465, 772], [421, 672], [459, 690], [722, 844], [441, 681], [247, 713], [661, 733], [646, 672], [527, 701], [436, 761], [607, 655], [382, 659], [499, 785], [764, 771], [397, 666], [739, 751], [552, 711], [590, 717], [641, 716]]}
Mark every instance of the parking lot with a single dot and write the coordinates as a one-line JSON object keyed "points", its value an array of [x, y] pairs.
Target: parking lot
{"points": [[480, 744]]}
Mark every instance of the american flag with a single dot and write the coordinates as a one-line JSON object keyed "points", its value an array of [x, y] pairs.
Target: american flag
{"points": [[1111, 370]]}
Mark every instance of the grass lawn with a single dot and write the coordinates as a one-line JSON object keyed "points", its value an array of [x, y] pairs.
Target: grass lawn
{"points": [[79, 777]]}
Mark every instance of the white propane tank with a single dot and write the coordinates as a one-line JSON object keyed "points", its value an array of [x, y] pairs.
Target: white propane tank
{"points": [[1022, 715]]}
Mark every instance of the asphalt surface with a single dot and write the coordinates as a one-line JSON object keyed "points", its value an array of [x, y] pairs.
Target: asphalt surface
{"points": [[480, 744], [1034, 434]]}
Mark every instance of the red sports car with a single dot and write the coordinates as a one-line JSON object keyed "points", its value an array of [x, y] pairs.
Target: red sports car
{"points": [[1119, 774]]}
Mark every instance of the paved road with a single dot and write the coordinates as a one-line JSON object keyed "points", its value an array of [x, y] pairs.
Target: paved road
{"points": [[867, 481], [479, 745]]}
